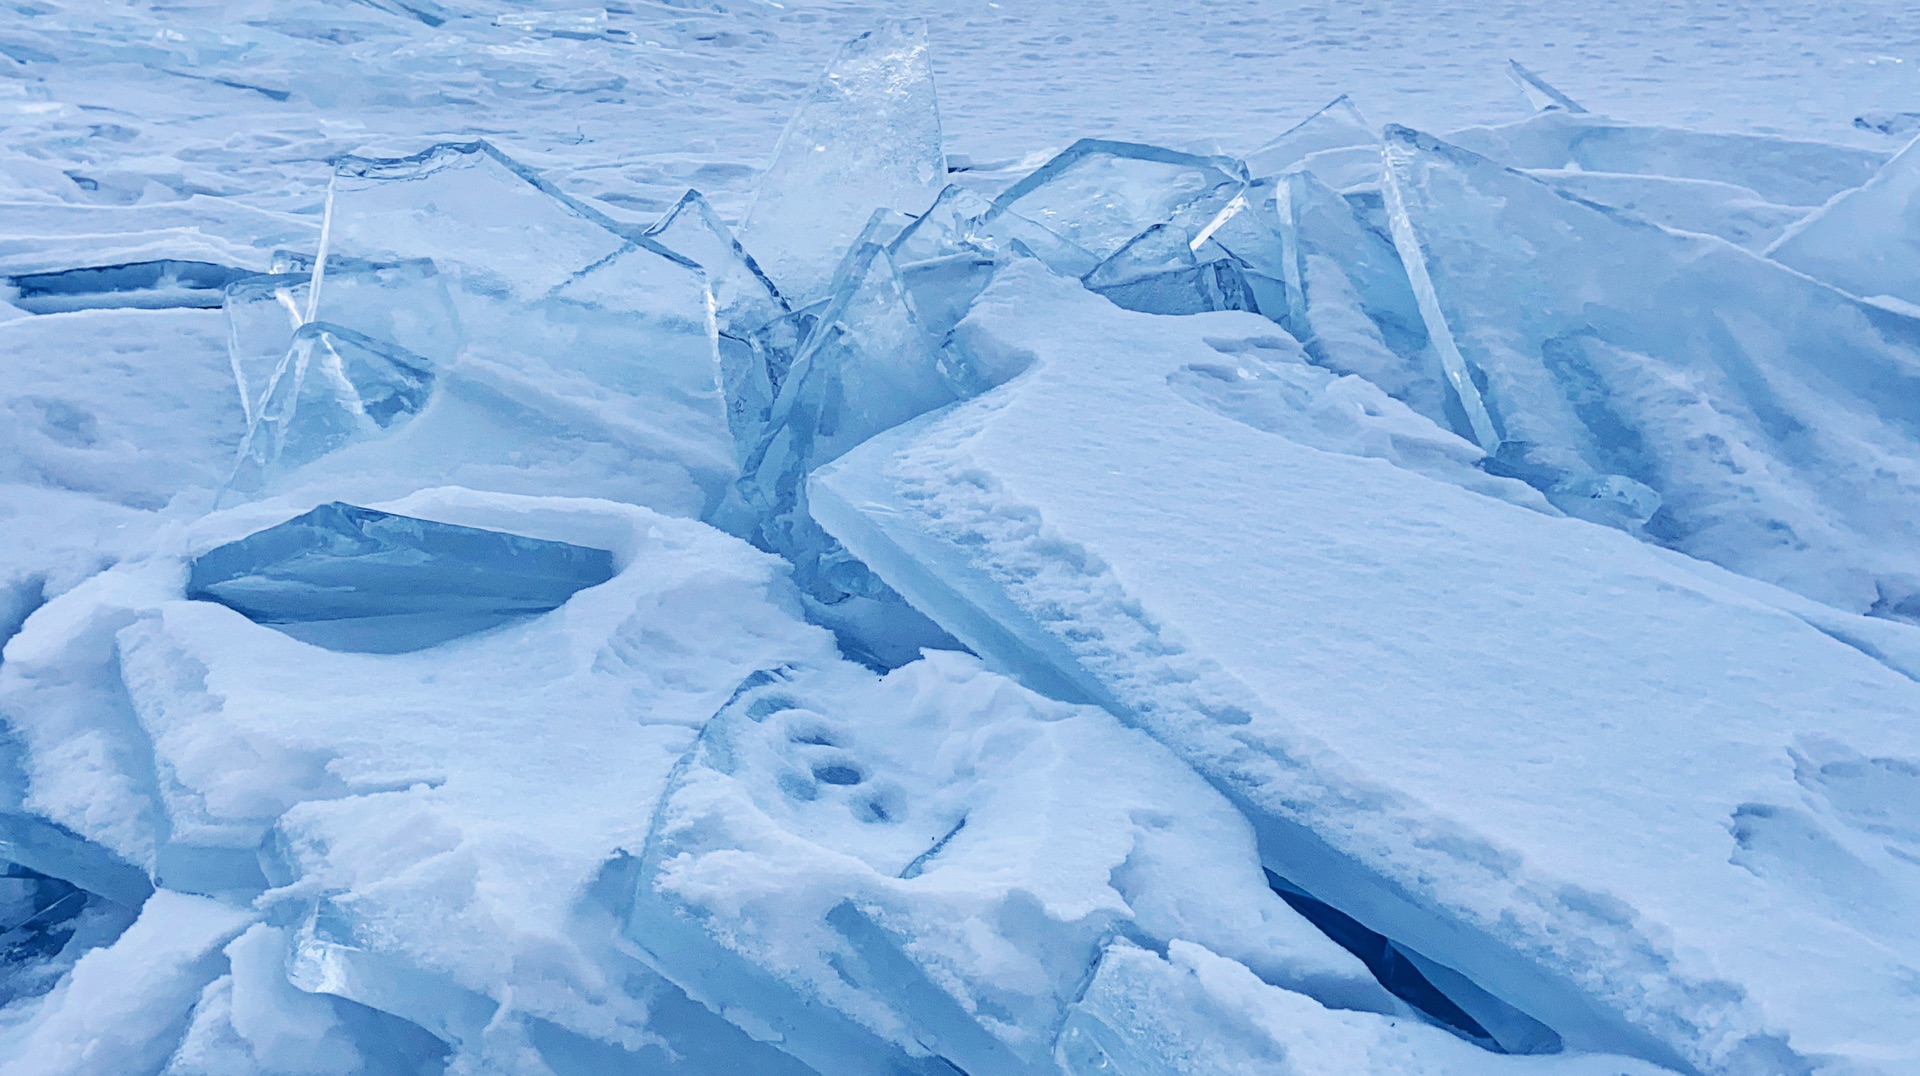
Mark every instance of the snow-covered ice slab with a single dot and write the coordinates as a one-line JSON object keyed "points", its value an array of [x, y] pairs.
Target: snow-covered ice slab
{"points": [[350, 578], [1866, 241], [1775, 417], [1193, 1013], [866, 137], [431, 823], [1700, 853], [879, 870]]}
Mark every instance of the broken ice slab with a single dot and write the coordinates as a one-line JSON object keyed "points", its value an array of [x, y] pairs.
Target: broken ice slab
{"points": [[743, 298], [153, 285], [405, 304], [1866, 241], [1157, 273], [1194, 1013], [866, 367], [1539, 94], [1357, 656], [1780, 170], [333, 387], [1897, 124], [877, 870], [866, 137], [1775, 417], [1099, 195], [1352, 304], [479, 215], [350, 578], [1736, 214], [1336, 143]]}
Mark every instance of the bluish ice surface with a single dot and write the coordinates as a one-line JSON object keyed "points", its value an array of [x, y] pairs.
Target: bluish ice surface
{"points": [[351, 578], [1037, 541]]}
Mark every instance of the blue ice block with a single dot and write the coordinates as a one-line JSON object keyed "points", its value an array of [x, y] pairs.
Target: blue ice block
{"points": [[356, 579]]}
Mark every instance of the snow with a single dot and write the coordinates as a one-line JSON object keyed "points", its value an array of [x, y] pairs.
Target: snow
{"points": [[813, 536]]}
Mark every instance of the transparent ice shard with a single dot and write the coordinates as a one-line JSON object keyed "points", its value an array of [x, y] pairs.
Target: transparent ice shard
{"points": [[867, 366], [1538, 93], [1866, 241], [949, 226], [1157, 273], [1099, 195], [333, 387], [1736, 214], [351, 578], [153, 285], [1337, 142], [1780, 170], [1774, 417], [745, 304], [1352, 305], [866, 137], [405, 304], [477, 214]]}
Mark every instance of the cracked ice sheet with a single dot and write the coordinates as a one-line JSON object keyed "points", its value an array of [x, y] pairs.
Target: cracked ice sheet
{"points": [[461, 796], [1638, 804]]}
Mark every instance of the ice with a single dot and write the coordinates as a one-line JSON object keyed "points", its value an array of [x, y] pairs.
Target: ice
{"points": [[1780, 170], [1770, 414], [867, 136], [1897, 124], [351, 578], [1593, 869], [1540, 95], [1866, 241], [924, 857], [1099, 195], [1157, 273], [1338, 144], [470, 209], [867, 366], [333, 387], [155, 285], [1350, 301], [1195, 1013], [745, 303], [1710, 207]]}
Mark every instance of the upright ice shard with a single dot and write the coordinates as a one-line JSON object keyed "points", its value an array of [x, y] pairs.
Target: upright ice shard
{"points": [[405, 304], [1780, 170], [1351, 303], [881, 870], [1866, 241], [745, 302], [1776, 418], [868, 366], [1354, 654], [351, 578], [333, 387], [470, 209], [1099, 195], [866, 137], [1337, 143], [1539, 94]]}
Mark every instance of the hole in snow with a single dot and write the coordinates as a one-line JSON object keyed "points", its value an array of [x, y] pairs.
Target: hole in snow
{"points": [[838, 773]]}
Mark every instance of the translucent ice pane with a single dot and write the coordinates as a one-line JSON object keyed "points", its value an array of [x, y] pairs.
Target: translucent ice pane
{"points": [[947, 227], [1539, 94], [405, 304], [1866, 241], [1780, 170], [1157, 273], [1775, 417], [743, 298], [1098, 195], [478, 214], [352, 578], [333, 387], [1337, 126], [867, 136]]}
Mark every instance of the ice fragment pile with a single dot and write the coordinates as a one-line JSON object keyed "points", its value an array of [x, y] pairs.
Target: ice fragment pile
{"points": [[1390, 603]]}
